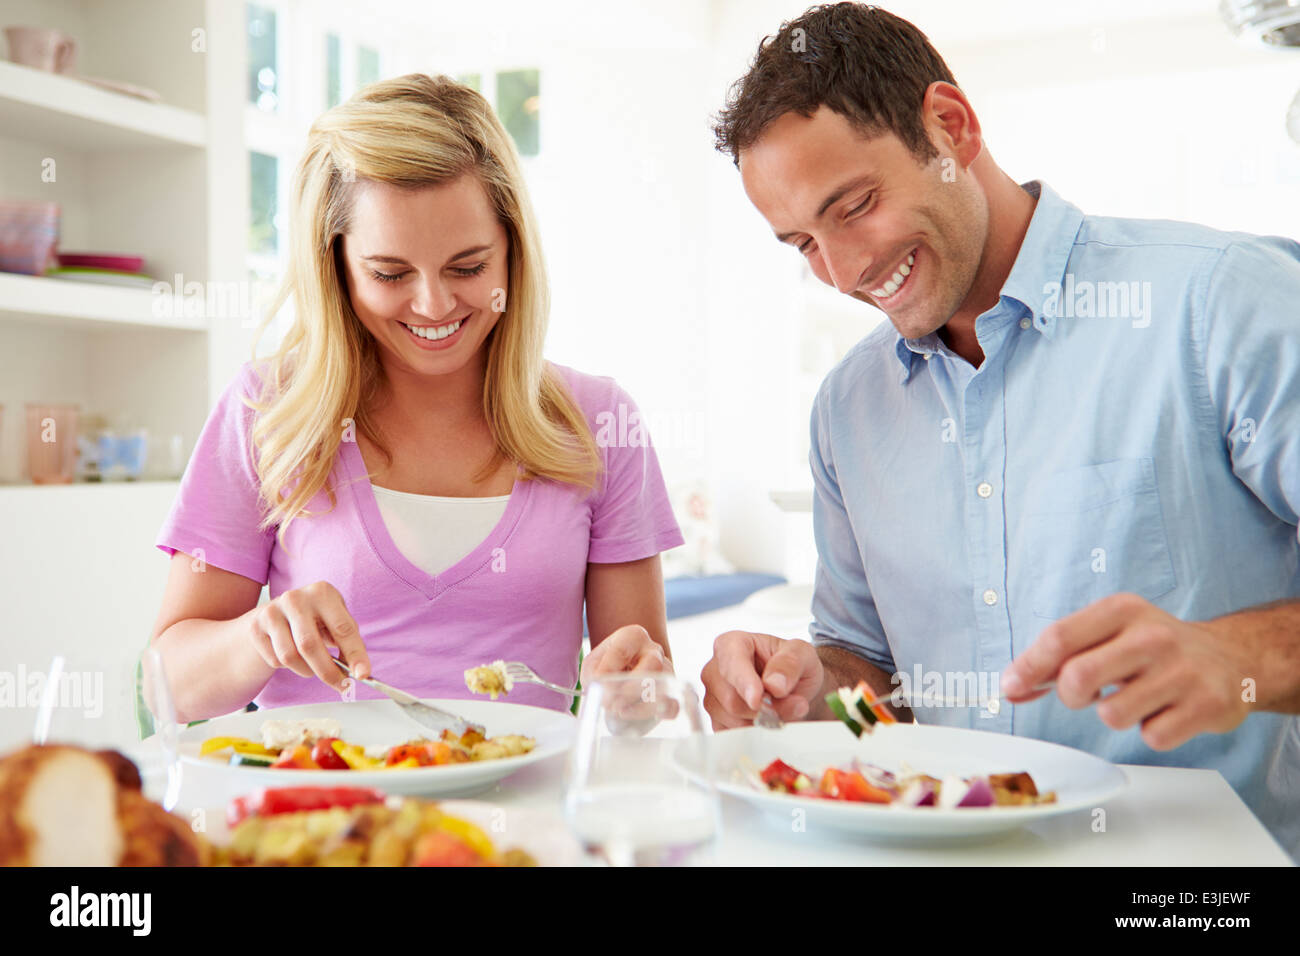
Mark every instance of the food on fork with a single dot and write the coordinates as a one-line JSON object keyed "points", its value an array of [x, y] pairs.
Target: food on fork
{"points": [[334, 753], [858, 708], [489, 679], [67, 806], [354, 826]]}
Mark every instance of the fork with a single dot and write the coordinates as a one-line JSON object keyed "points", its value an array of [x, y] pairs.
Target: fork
{"points": [[767, 718], [521, 672], [426, 715], [922, 699]]}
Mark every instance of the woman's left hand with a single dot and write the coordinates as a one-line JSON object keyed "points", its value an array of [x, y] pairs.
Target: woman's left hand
{"points": [[630, 649]]}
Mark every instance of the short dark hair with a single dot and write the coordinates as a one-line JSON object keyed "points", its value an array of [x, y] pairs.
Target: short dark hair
{"points": [[866, 64]]}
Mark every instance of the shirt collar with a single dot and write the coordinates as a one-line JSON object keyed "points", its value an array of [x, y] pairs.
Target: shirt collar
{"points": [[1039, 267]]}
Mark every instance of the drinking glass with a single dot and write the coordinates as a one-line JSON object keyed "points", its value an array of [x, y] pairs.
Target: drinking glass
{"points": [[52, 443], [625, 797]]}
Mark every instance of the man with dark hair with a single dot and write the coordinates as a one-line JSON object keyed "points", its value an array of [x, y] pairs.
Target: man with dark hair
{"points": [[1072, 455]]}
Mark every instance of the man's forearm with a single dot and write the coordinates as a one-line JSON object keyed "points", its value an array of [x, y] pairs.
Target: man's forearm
{"points": [[1269, 637], [844, 669]]}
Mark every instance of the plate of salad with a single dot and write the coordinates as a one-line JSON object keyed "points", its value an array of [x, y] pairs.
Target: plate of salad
{"points": [[371, 743], [908, 781]]}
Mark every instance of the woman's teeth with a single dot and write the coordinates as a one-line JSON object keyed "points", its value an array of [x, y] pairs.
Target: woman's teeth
{"points": [[895, 283], [433, 334]]}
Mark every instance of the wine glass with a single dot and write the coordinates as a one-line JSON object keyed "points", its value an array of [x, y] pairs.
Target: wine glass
{"points": [[626, 797], [166, 727]]}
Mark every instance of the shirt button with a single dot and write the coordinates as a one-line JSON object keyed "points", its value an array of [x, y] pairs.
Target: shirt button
{"points": [[983, 489], [990, 597], [994, 705], [926, 356], [1025, 323]]}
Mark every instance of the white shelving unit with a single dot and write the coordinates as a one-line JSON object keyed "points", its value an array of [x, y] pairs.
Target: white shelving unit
{"points": [[88, 305], [133, 176], [65, 110], [164, 180]]}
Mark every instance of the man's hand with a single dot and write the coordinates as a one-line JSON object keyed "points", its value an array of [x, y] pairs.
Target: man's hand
{"points": [[1177, 679], [745, 666]]}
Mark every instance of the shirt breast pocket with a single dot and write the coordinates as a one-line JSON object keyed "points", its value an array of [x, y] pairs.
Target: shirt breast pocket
{"points": [[1097, 530]]}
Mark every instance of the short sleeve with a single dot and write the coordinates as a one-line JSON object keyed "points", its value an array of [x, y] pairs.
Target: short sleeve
{"points": [[1248, 334], [631, 515], [844, 613], [218, 507]]}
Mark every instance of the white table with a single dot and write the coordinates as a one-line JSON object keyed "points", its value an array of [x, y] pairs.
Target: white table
{"points": [[1166, 817]]}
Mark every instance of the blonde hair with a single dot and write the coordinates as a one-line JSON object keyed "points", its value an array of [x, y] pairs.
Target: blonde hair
{"points": [[411, 131]]}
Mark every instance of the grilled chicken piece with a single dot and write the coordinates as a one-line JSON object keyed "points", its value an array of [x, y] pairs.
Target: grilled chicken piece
{"points": [[65, 806]]}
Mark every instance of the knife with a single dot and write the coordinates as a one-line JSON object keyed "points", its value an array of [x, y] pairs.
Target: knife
{"points": [[426, 715]]}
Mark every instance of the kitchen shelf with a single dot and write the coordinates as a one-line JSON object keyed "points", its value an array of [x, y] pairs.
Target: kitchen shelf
{"points": [[85, 304], [48, 108], [167, 486]]}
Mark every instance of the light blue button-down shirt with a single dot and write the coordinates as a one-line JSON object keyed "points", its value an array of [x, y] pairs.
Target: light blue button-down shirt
{"points": [[1135, 426]]}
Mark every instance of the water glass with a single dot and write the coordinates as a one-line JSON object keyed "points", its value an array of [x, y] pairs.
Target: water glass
{"points": [[626, 796]]}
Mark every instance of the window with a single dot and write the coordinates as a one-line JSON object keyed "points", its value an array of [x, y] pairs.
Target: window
{"points": [[515, 95], [333, 70], [343, 60], [263, 59], [263, 208], [367, 66], [518, 106]]}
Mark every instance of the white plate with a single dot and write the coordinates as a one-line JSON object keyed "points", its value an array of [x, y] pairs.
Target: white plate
{"points": [[380, 723], [1081, 781], [540, 834]]}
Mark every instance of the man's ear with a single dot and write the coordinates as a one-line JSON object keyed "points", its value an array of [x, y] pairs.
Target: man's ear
{"points": [[951, 122]]}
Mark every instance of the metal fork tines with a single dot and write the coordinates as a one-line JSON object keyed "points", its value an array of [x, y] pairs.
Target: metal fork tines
{"points": [[426, 715], [520, 672]]}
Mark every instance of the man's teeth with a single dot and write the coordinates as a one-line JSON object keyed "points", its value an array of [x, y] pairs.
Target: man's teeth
{"points": [[893, 284], [433, 334]]}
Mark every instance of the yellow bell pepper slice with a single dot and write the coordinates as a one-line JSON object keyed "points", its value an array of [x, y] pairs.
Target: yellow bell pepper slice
{"points": [[469, 834], [355, 756], [240, 744]]}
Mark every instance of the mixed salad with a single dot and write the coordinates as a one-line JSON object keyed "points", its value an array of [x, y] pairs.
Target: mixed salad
{"points": [[353, 826], [318, 745], [860, 782]]}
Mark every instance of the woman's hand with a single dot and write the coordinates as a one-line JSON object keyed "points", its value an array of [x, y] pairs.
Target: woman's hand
{"points": [[296, 629], [630, 649]]}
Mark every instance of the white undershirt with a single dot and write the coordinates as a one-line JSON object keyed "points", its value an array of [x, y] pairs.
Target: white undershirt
{"points": [[434, 533]]}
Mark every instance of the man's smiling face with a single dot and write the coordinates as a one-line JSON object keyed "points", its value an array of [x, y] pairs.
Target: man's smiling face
{"points": [[872, 220]]}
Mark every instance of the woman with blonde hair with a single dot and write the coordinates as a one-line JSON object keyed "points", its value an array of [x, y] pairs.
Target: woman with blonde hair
{"points": [[422, 491]]}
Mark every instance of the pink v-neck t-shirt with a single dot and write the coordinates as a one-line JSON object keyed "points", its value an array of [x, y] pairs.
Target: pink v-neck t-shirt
{"points": [[517, 596]]}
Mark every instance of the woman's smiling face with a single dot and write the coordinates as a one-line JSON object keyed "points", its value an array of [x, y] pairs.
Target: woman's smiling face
{"points": [[433, 259]]}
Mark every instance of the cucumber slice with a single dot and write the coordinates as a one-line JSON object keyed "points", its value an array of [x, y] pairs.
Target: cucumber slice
{"points": [[860, 696], [837, 707], [252, 760]]}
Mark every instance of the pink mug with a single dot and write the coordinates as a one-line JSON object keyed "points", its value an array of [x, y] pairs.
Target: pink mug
{"points": [[44, 48]]}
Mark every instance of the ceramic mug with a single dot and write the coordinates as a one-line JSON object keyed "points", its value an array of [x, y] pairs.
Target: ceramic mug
{"points": [[44, 48]]}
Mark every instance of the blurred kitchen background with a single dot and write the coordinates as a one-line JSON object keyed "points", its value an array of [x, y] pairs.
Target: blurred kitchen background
{"points": [[146, 141]]}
